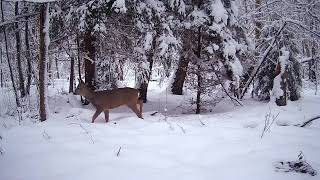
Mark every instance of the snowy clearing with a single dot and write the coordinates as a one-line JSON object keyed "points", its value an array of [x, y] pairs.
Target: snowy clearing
{"points": [[223, 144]]}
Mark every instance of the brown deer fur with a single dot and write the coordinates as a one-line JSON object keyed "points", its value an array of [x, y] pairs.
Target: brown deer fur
{"points": [[109, 99]]}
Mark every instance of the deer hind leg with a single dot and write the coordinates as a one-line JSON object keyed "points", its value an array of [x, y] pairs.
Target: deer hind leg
{"points": [[106, 115], [96, 114], [140, 102], [134, 108]]}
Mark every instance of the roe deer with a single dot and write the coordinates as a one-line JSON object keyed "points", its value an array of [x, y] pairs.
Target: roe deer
{"points": [[109, 99]]}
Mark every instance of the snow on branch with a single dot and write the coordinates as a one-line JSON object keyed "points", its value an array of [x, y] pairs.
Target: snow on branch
{"points": [[16, 19], [303, 27], [277, 91], [264, 57]]}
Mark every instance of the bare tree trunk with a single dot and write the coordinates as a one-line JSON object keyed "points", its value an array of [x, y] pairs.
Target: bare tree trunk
{"points": [[79, 64], [8, 60], [28, 57], [144, 85], [43, 31], [57, 69], [312, 67], [89, 64], [199, 78], [71, 74], [258, 24], [89, 49], [316, 78], [180, 75], [79, 60], [312, 74], [18, 47], [181, 72], [1, 73]]}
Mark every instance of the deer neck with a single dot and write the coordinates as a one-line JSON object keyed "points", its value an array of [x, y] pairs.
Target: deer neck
{"points": [[89, 95]]}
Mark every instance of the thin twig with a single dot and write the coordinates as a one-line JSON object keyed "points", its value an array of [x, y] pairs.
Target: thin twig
{"points": [[87, 132], [46, 136], [225, 90], [202, 123], [268, 123], [118, 153], [182, 129]]}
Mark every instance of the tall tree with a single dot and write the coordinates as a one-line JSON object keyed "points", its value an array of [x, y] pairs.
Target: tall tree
{"points": [[18, 48], [71, 80], [43, 59], [28, 54], [220, 43], [8, 59]]}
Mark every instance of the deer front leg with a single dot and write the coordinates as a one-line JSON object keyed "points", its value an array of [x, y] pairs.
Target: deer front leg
{"points": [[106, 115], [96, 114], [134, 108]]}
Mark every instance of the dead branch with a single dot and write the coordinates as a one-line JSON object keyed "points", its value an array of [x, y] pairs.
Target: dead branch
{"points": [[309, 121], [154, 113]]}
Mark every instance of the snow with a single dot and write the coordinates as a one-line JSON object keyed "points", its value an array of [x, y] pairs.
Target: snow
{"points": [[219, 12], [179, 4], [237, 69], [199, 17], [226, 145], [276, 90], [283, 60], [234, 12], [100, 27], [120, 6], [40, 1], [152, 7], [167, 42], [213, 47], [235, 7], [148, 41]]}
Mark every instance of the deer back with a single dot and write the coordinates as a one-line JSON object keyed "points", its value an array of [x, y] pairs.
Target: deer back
{"points": [[109, 99]]}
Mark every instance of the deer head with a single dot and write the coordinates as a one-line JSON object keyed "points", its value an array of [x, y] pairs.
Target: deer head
{"points": [[82, 89]]}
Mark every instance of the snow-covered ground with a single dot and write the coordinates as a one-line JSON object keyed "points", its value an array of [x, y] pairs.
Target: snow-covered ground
{"points": [[223, 144]]}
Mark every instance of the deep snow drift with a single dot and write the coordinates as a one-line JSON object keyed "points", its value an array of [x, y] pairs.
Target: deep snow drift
{"points": [[223, 144]]}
